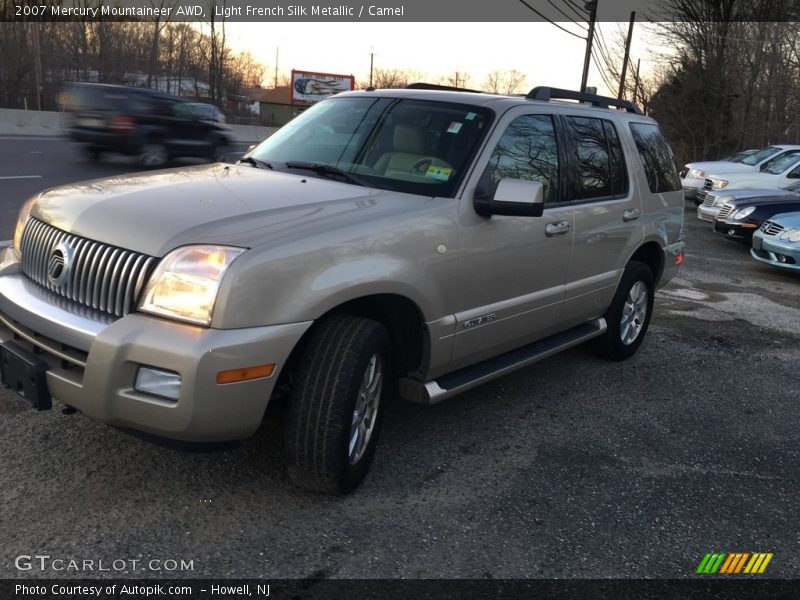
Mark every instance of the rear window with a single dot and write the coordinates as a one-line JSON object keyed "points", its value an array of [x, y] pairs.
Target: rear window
{"points": [[657, 160]]}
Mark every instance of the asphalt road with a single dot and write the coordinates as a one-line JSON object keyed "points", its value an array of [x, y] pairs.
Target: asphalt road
{"points": [[574, 467]]}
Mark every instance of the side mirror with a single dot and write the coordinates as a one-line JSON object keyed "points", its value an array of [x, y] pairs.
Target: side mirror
{"points": [[512, 198]]}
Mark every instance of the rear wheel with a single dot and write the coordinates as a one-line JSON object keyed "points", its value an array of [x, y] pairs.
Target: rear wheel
{"points": [[629, 314], [93, 153], [336, 407], [153, 154]]}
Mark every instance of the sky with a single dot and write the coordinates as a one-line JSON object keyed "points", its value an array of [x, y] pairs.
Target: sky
{"points": [[544, 53]]}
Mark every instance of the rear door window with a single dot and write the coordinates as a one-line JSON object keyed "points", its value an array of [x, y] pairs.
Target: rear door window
{"points": [[659, 165]]}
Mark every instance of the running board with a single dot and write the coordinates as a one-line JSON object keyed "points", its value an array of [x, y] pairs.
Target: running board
{"points": [[469, 377]]}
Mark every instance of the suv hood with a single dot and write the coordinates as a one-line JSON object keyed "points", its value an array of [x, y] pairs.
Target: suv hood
{"points": [[720, 166], [232, 205]]}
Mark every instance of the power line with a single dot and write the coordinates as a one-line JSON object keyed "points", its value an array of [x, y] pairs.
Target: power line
{"points": [[554, 5], [574, 8], [551, 22]]}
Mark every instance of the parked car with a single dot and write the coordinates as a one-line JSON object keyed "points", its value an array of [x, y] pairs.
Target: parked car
{"points": [[140, 122], [777, 241], [693, 175], [714, 201], [778, 172], [739, 218], [397, 241]]}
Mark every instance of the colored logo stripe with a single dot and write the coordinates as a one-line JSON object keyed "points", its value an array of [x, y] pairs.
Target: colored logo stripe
{"points": [[734, 562]]}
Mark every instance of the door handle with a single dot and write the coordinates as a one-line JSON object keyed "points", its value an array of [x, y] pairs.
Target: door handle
{"points": [[556, 228], [630, 215]]}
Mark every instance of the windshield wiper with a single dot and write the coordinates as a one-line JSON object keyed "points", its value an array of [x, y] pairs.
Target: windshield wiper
{"points": [[327, 171], [258, 164]]}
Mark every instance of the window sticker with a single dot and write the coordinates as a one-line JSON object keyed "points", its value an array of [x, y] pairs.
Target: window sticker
{"points": [[439, 173], [470, 116], [455, 127]]}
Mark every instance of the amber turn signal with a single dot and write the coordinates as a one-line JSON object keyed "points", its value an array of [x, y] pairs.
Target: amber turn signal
{"points": [[245, 374]]}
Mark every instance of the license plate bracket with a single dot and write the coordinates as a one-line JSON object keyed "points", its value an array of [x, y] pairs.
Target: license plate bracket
{"points": [[25, 374]]}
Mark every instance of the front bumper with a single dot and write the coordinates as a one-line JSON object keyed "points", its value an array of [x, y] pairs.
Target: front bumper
{"points": [[93, 362], [708, 213], [785, 255], [735, 230]]}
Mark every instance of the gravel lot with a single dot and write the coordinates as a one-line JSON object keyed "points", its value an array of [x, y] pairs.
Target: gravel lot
{"points": [[574, 467]]}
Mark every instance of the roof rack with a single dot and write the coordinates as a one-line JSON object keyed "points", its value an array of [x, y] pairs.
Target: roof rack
{"points": [[548, 93], [434, 86]]}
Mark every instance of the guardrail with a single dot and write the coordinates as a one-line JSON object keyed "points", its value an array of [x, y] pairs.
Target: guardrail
{"points": [[45, 123]]}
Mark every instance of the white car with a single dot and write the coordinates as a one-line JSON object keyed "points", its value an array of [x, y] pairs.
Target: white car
{"points": [[778, 172], [693, 175]]}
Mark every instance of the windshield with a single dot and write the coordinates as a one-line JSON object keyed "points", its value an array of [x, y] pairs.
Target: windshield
{"points": [[779, 164], [413, 146], [756, 157]]}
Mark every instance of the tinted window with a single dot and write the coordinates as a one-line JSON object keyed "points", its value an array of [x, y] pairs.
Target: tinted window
{"points": [[599, 169], [778, 164], [656, 155], [528, 150], [757, 157]]}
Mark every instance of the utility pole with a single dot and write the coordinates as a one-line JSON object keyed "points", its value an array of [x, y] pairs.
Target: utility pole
{"points": [[590, 5], [37, 63], [636, 82], [276, 67], [625, 60], [371, 57]]}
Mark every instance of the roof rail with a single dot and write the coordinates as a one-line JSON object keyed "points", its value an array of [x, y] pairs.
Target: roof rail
{"points": [[548, 93], [435, 86]]}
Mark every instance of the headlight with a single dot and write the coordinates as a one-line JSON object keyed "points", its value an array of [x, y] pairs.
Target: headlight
{"points": [[791, 235], [741, 214], [22, 220], [696, 174], [185, 284], [718, 184], [723, 199]]}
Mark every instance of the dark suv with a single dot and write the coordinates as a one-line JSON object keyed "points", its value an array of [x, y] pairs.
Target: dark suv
{"points": [[151, 125]]}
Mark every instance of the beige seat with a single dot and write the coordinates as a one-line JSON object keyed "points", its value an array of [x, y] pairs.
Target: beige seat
{"points": [[408, 145]]}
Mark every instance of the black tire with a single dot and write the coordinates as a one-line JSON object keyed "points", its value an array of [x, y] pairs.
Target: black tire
{"points": [[619, 341], [322, 408], [93, 153]]}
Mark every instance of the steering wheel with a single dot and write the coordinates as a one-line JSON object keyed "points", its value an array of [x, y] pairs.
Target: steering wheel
{"points": [[420, 166]]}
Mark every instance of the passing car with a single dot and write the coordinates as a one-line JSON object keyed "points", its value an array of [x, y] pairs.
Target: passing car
{"points": [[739, 218], [693, 175], [777, 241], [383, 242], [150, 125], [778, 172], [714, 201]]}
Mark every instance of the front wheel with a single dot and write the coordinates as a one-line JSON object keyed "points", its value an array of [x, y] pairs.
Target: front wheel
{"points": [[629, 314], [336, 406]]}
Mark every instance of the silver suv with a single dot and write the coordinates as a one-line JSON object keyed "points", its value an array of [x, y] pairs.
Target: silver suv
{"points": [[417, 242]]}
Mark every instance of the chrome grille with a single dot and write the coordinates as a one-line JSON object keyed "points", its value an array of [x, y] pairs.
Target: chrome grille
{"points": [[709, 185], [101, 276], [707, 199], [725, 211], [770, 228]]}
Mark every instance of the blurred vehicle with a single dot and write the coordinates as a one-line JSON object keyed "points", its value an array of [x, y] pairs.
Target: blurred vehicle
{"points": [[150, 125], [739, 218], [714, 201], [777, 241], [208, 112], [693, 175], [778, 172]]}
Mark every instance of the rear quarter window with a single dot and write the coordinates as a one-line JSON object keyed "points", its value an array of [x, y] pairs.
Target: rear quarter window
{"points": [[656, 155]]}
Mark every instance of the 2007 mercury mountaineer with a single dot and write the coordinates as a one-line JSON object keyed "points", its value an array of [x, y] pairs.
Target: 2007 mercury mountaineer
{"points": [[416, 241]]}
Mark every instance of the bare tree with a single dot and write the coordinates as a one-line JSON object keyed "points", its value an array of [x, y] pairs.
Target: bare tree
{"points": [[505, 82]]}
